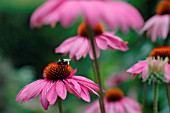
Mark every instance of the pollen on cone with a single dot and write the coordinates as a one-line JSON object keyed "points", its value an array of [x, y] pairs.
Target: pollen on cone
{"points": [[54, 71]]}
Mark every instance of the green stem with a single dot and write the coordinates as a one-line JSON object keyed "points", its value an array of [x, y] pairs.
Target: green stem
{"points": [[94, 70], [97, 69], [155, 107], [168, 95], [144, 97], [60, 105]]}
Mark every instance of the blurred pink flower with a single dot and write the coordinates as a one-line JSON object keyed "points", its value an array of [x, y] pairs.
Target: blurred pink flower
{"points": [[115, 14], [79, 46], [115, 102], [157, 26], [152, 66], [117, 79], [156, 68], [59, 78]]}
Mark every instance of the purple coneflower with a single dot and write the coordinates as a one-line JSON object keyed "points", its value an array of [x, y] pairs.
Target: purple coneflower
{"points": [[158, 25], [114, 13], [79, 46], [117, 79], [58, 79], [155, 68], [116, 102]]}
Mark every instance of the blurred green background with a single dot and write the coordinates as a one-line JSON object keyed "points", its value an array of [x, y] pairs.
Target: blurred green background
{"points": [[24, 52]]}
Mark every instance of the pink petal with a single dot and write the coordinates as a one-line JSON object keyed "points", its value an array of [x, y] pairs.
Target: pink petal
{"points": [[43, 95], [73, 72], [91, 16], [138, 68], [145, 72], [52, 94], [86, 82], [85, 94], [68, 17], [31, 90], [76, 46], [61, 89], [94, 108], [109, 107], [83, 50], [87, 49], [75, 85], [97, 52], [42, 11], [66, 45], [167, 72], [115, 42], [101, 43], [71, 89], [118, 107], [130, 105]]}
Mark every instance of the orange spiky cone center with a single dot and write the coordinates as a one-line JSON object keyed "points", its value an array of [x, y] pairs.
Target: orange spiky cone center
{"points": [[163, 7], [82, 29], [54, 71], [162, 52], [113, 95]]}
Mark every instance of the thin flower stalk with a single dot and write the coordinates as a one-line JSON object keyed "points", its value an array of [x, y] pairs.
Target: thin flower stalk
{"points": [[144, 97], [168, 95], [155, 106], [60, 107], [97, 69]]}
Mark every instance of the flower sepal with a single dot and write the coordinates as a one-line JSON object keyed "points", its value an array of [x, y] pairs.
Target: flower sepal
{"points": [[155, 78]]}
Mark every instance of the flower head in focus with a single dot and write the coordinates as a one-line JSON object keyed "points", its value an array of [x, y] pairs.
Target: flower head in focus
{"points": [[112, 13], [58, 79], [116, 102], [158, 26], [79, 46], [117, 79], [156, 68]]}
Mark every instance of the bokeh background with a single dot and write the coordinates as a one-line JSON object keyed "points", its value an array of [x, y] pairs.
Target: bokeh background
{"points": [[24, 52]]}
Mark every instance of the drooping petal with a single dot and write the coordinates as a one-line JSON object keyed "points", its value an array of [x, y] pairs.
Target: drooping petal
{"points": [[94, 108], [97, 51], [66, 45], [83, 50], [31, 90], [138, 68], [52, 94], [85, 94], [130, 105], [43, 11], [119, 108], [75, 85], [76, 46], [71, 89], [157, 26], [101, 43], [43, 95], [167, 72], [145, 73], [115, 42], [61, 89], [110, 12], [86, 82], [92, 16]]}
